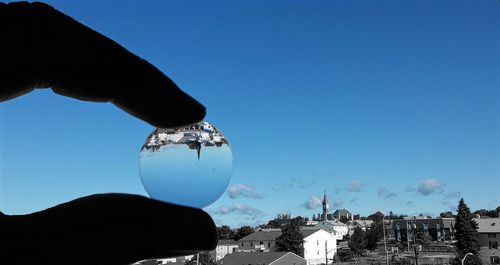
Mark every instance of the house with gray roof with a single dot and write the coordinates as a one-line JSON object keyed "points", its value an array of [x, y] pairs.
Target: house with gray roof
{"points": [[317, 243], [262, 258], [489, 239], [224, 247], [440, 229], [262, 240]]}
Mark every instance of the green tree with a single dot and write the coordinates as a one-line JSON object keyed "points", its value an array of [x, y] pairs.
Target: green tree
{"points": [[282, 220], [376, 217], [374, 234], [225, 232], [291, 240], [487, 213], [357, 242], [204, 258], [243, 232], [466, 234], [423, 238], [447, 214]]}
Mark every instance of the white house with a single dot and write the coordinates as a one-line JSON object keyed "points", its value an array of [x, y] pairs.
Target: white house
{"points": [[317, 243], [318, 246], [336, 228], [224, 247]]}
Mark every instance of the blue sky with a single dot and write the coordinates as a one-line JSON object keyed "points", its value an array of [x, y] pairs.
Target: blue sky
{"points": [[386, 105]]}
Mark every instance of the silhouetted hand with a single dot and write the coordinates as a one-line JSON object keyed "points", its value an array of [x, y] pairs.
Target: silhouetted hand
{"points": [[39, 48]]}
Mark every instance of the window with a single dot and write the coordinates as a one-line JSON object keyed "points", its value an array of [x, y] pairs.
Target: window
{"points": [[268, 244], [492, 235], [494, 260], [251, 243], [261, 243], [241, 243], [493, 245]]}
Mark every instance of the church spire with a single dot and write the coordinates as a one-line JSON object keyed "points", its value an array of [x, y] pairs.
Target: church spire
{"points": [[326, 207]]}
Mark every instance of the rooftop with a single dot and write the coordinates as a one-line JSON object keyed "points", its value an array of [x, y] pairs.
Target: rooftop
{"points": [[488, 225], [253, 258], [262, 236], [227, 242], [332, 222], [272, 234]]}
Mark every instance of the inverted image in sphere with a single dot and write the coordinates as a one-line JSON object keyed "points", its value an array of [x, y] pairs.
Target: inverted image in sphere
{"points": [[190, 166]]}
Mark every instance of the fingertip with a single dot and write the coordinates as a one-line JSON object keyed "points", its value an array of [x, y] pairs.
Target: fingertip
{"points": [[153, 97]]}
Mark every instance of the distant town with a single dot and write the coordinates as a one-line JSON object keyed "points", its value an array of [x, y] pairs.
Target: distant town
{"points": [[194, 136], [340, 237]]}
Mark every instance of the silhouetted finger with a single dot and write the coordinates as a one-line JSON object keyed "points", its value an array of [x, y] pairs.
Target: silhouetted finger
{"points": [[41, 47], [111, 229]]}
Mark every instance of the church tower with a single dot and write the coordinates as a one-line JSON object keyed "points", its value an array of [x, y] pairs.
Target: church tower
{"points": [[326, 208]]}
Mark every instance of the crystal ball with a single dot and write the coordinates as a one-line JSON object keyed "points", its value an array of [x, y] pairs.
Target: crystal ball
{"points": [[190, 165]]}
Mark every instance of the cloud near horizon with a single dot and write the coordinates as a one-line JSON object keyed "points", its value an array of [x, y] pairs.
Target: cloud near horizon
{"points": [[293, 184], [240, 209], [385, 193], [312, 203], [430, 186], [355, 186], [242, 190]]}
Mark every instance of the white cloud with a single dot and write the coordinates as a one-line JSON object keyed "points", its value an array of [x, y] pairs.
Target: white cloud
{"points": [[430, 186], [242, 190], [240, 209], [294, 184], [385, 193], [355, 186], [312, 203]]}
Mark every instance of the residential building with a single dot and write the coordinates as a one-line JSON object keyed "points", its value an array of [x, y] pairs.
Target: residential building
{"points": [[489, 239], [334, 227], [440, 229], [224, 247], [318, 245], [262, 258], [363, 224], [262, 240]]}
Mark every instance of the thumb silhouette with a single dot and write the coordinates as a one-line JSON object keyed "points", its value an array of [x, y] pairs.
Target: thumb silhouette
{"points": [[41, 47]]}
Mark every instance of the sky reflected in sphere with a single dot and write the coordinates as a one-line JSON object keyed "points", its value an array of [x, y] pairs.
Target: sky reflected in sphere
{"points": [[190, 166]]}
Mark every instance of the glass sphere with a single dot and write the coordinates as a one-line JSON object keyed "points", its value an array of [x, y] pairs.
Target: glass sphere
{"points": [[190, 166]]}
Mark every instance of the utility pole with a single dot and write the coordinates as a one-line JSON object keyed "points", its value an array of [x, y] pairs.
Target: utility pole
{"points": [[385, 242], [326, 252], [408, 235], [414, 227]]}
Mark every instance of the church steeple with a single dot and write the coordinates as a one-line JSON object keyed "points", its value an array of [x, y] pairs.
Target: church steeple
{"points": [[326, 207]]}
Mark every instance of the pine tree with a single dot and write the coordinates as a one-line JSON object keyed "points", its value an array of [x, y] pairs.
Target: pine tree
{"points": [[291, 240], [466, 234], [374, 234], [225, 232], [357, 242], [242, 232]]}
